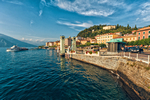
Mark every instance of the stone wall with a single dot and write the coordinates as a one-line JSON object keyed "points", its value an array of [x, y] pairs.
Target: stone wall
{"points": [[134, 74]]}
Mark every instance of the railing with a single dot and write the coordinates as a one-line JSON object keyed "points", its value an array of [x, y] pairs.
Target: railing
{"points": [[135, 56], [138, 57]]}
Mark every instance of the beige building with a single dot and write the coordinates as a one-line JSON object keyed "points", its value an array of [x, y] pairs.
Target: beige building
{"points": [[83, 42], [93, 40], [47, 43], [130, 38], [109, 27], [68, 41], [104, 38], [51, 43]]}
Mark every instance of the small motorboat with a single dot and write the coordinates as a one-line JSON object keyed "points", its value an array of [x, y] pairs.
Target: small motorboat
{"points": [[16, 48]]}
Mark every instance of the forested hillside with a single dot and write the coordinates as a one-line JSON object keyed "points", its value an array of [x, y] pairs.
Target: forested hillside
{"points": [[98, 29]]}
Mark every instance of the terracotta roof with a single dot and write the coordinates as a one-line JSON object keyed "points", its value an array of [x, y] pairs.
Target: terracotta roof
{"points": [[129, 36], [145, 28], [118, 37]]}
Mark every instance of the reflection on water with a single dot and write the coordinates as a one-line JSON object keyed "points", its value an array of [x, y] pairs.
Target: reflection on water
{"points": [[43, 75]]}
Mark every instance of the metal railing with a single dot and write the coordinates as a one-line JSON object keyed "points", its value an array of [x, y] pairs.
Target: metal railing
{"points": [[135, 56]]}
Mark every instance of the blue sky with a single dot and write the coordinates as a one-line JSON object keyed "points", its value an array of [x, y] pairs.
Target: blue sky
{"points": [[38, 21]]}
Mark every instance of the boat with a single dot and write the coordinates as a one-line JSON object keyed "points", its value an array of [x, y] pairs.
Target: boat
{"points": [[16, 48]]}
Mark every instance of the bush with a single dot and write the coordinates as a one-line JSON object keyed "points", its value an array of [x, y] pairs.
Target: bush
{"points": [[90, 52]]}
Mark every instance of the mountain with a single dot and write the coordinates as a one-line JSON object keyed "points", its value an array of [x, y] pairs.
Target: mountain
{"points": [[6, 41]]}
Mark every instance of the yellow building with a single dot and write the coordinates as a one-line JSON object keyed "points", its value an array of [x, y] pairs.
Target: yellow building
{"points": [[109, 27], [83, 42], [130, 38], [104, 38]]}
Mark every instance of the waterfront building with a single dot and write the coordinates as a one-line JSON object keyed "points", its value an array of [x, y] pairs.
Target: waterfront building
{"points": [[143, 33], [51, 43], [109, 27], [57, 43], [68, 41], [104, 38], [47, 43]]}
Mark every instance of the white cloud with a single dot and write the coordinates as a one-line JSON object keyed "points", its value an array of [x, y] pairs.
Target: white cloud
{"points": [[137, 19], [77, 22], [85, 25], [144, 11], [147, 18], [40, 12], [91, 7], [13, 2]]}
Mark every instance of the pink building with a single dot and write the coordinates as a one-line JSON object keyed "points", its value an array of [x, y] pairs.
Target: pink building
{"points": [[143, 33]]}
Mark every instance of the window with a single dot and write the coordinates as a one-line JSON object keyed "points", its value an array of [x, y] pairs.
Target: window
{"points": [[143, 32], [143, 37], [139, 38], [149, 36], [139, 33], [149, 32]]}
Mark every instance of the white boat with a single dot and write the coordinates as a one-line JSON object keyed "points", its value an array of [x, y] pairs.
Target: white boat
{"points": [[15, 48]]}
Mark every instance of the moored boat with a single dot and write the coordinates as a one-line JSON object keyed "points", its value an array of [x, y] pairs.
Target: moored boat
{"points": [[16, 48]]}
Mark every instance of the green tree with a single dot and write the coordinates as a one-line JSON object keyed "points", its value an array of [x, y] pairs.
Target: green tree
{"points": [[131, 43], [135, 28], [117, 26], [128, 26], [88, 44], [102, 45]]}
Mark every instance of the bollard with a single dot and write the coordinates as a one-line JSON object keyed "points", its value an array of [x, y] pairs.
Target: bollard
{"points": [[129, 54], [137, 56]]}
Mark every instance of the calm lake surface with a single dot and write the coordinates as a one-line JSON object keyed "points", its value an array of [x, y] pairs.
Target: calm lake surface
{"points": [[42, 75]]}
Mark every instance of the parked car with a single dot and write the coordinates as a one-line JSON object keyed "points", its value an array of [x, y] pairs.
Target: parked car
{"points": [[127, 49], [136, 50]]}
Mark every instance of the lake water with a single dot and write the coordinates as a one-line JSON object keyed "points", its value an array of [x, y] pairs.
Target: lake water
{"points": [[43, 75]]}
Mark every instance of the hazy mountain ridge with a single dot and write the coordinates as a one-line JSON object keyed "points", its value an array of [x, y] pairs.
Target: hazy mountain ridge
{"points": [[6, 41]]}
